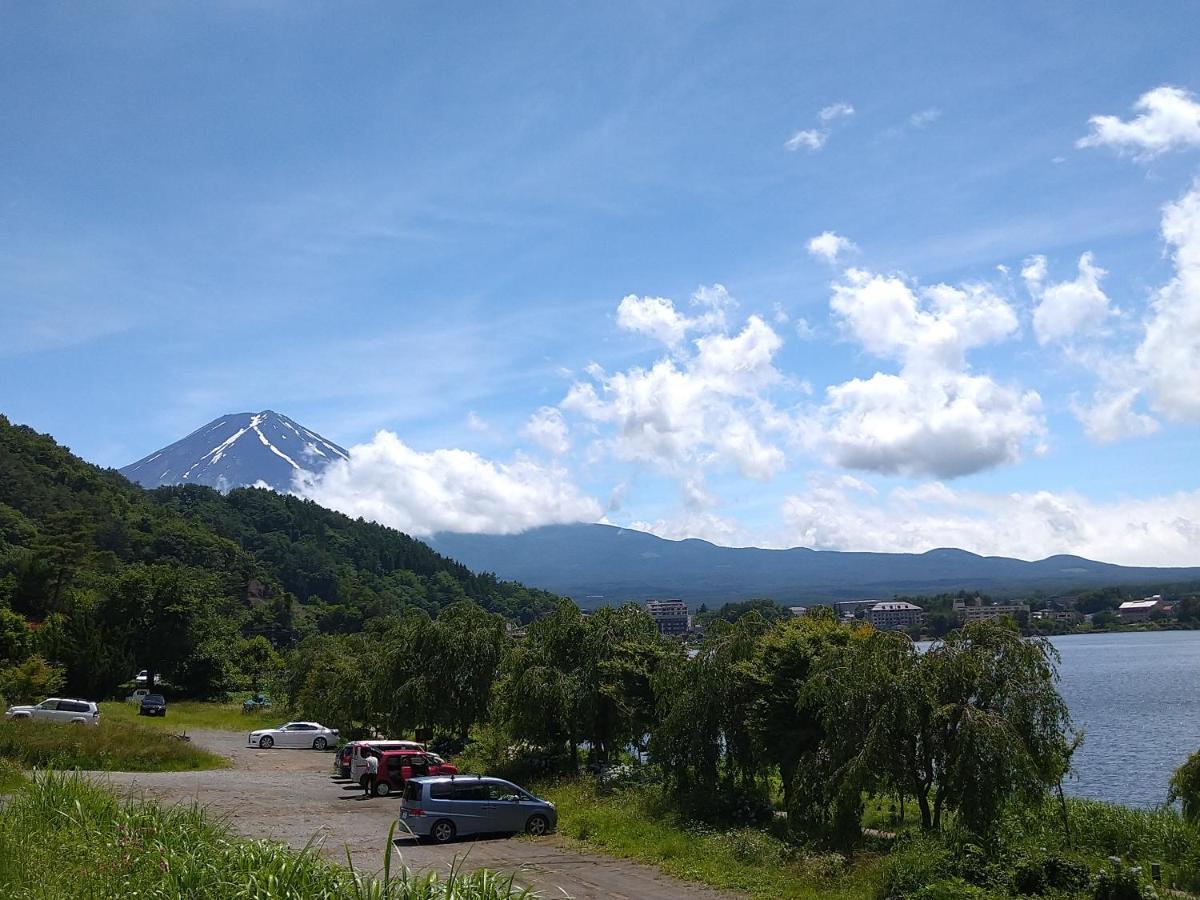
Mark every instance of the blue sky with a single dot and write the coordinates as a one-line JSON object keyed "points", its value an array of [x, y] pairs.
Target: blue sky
{"points": [[425, 220]]}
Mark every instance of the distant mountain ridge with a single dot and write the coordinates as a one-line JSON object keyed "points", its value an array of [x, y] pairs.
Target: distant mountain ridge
{"points": [[238, 450], [598, 564]]}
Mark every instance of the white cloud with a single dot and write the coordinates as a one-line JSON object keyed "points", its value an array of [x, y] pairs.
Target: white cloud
{"points": [[812, 138], [804, 331], [948, 425], [1149, 532], [835, 111], [548, 429], [829, 245], [815, 138], [1169, 120], [934, 417], [1169, 353], [1111, 416], [475, 422], [703, 407], [420, 493], [924, 117], [930, 328], [658, 317], [1068, 308]]}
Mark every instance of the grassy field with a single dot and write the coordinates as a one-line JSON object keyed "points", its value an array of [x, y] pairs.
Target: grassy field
{"points": [[82, 842], [188, 714], [630, 824], [11, 776], [109, 746]]}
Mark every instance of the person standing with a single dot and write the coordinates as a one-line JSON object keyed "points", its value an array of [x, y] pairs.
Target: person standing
{"points": [[372, 772]]}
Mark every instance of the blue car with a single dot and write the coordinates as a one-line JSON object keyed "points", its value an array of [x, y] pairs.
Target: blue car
{"points": [[442, 807]]}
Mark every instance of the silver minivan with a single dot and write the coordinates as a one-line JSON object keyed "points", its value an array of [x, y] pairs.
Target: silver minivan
{"points": [[442, 807]]}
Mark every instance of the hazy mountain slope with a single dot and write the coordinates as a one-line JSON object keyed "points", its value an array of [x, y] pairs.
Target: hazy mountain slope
{"points": [[602, 564], [236, 450]]}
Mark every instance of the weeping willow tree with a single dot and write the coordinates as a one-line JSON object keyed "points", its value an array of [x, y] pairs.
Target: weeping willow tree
{"points": [[971, 725]]}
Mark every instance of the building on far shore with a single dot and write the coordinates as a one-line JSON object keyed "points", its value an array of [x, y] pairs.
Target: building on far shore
{"points": [[671, 616], [895, 615], [1141, 610], [798, 612], [979, 613]]}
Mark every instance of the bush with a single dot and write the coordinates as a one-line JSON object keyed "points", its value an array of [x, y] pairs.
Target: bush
{"points": [[917, 861], [1185, 787], [1119, 882], [950, 889], [1041, 875]]}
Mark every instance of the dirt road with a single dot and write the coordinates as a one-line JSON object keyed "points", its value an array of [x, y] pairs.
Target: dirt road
{"points": [[290, 796]]}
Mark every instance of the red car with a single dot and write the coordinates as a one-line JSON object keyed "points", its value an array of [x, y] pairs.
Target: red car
{"points": [[397, 766]]}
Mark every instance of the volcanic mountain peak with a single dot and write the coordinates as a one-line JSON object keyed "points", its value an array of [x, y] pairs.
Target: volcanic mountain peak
{"points": [[238, 449]]}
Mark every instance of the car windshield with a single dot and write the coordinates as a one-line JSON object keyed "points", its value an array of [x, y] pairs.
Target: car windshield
{"points": [[155, 698]]}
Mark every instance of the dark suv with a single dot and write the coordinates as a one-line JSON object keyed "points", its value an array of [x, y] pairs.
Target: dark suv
{"points": [[153, 705]]}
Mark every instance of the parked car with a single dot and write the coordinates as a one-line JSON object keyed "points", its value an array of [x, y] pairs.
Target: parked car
{"points": [[138, 696], [76, 712], [257, 703], [294, 734], [153, 705], [358, 762], [397, 766], [442, 807], [143, 677]]}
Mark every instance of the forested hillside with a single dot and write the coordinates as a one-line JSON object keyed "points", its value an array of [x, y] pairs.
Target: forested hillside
{"points": [[101, 577]]}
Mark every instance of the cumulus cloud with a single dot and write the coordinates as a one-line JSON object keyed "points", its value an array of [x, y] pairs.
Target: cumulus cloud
{"points": [[933, 417], [1069, 307], [705, 405], [1111, 416], [829, 245], [422, 493], [815, 138], [1169, 353], [548, 430], [1150, 532], [1169, 120], [658, 317]]}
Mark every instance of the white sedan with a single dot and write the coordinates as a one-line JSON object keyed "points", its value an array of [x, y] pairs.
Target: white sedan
{"points": [[294, 734]]}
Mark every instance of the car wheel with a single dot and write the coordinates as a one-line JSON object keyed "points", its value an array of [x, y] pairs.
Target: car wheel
{"points": [[537, 826], [442, 831], [382, 789], [320, 744], [266, 743]]}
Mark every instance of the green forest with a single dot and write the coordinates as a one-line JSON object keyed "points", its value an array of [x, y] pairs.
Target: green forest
{"points": [[100, 578]]}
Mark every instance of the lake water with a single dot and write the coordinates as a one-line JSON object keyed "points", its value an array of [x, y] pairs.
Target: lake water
{"points": [[1136, 696]]}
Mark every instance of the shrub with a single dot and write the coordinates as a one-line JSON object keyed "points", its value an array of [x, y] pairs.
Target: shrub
{"points": [[1041, 875], [916, 861], [1185, 787], [1119, 882], [950, 889]]}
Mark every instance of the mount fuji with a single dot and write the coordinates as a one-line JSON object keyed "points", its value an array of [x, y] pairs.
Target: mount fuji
{"points": [[237, 450]]}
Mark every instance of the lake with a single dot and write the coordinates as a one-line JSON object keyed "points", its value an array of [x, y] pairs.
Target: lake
{"points": [[1137, 698]]}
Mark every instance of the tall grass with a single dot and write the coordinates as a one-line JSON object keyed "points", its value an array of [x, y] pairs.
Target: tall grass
{"points": [[638, 823], [109, 746], [11, 776], [65, 837], [185, 715]]}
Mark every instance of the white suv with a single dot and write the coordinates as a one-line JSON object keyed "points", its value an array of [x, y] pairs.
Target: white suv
{"points": [[77, 712]]}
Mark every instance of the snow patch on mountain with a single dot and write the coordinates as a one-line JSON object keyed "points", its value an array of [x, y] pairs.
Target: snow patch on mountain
{"points": [[222, 454]]}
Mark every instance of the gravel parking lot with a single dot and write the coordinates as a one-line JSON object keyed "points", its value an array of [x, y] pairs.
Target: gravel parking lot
{"points": [[290, 796]]}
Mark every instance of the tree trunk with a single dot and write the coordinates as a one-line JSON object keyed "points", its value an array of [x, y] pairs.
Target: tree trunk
{"points": [[926, 818]]}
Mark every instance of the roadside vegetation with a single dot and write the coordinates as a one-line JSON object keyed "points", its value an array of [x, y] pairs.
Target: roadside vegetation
{"points": [[11, 776], [185, 715], [64, 837], [109, 746]]}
